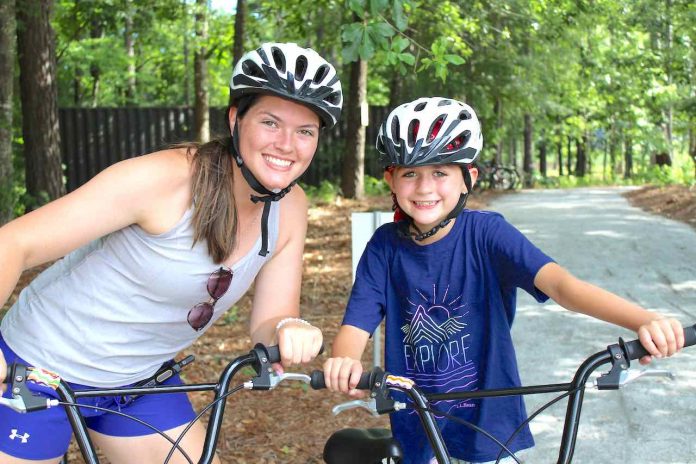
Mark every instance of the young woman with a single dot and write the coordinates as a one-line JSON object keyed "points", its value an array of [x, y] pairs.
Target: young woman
{"points": [[154, 249], [446, 278]]}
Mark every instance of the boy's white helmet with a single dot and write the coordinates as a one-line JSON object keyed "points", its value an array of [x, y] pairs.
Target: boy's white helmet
{"points": [[290, 71], [430, 131]]}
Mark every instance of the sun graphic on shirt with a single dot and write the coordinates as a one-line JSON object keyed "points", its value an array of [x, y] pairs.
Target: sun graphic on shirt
{"points": [[433, 320]]}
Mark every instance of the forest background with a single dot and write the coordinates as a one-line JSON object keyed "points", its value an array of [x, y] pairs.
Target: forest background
{"points": [[570, 92]]}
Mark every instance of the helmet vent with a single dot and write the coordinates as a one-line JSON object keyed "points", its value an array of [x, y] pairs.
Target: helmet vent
{"points": [[300, 68], [320, 74], [420, 106], [458, 142], [412, 131], [278, 59], [395, 129], [252, 69], [435, 128], [444, 102], [464, 115], [334, 98]]}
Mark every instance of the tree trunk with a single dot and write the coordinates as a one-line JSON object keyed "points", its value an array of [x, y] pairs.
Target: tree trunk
{"points": [[200, 75], [498, 110], [352, 178], [542, 157], [669, 110], [39, 95], [77, 71], [239, 23], [395, 91], [605, 159], [7, 60], [96, 31], [692, 143], [569, 159], [613, 146], [129, 37], [580, 159], [513, 151], [559, 153], [628, 158], [527, 164]]}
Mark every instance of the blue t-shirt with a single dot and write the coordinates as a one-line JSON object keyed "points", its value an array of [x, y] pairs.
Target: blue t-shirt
{"points": [[449, 307]]}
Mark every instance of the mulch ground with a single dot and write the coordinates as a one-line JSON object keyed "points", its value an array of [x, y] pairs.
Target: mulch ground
{"points": [[292, 422], [674, 201]]}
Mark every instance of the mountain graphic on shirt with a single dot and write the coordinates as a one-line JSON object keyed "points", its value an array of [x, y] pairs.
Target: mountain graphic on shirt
{"points": [[423, 328]]}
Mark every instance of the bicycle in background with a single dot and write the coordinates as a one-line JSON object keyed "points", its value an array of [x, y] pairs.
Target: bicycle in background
{"points": [[496, 176]]}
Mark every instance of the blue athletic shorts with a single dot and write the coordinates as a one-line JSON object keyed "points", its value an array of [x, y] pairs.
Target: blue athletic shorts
{"points": [[46, 434]]}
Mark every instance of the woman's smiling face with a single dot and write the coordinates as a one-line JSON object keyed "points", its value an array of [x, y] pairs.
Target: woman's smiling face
{"points": [[277, 139]]}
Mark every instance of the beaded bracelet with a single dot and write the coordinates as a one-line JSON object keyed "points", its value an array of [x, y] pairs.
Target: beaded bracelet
{"points": [[282, 322]]}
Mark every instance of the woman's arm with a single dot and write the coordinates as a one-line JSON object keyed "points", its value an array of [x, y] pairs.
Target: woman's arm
{"points": [[277, 289], [659, 335], [151, 190], [135, 191]]}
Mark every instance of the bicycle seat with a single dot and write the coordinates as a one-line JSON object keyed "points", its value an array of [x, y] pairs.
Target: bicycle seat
{"points": [[349, 446]]}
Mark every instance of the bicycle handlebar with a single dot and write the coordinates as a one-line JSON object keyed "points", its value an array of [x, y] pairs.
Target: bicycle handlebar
{"points": [[619, 355], [366, 382], [634, 348]]}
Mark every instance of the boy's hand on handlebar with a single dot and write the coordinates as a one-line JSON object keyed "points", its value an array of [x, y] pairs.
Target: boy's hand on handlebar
{"points": [[299, 342], [343, 374], [661, 338]]}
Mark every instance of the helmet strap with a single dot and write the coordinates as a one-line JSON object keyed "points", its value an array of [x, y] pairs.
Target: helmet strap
{"points": [[453, 214], [268, 195]]}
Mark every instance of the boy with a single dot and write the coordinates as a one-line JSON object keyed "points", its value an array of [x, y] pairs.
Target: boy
{"points": [[446, 278]]}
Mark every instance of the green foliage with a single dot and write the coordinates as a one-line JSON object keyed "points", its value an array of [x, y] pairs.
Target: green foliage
{"points": [[231, 316], [622, 68], [666, 175], [375, 187], [326, 192], [441, 59]]}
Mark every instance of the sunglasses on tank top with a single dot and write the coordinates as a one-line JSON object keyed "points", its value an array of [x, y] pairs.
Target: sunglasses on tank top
{"points": [[218, 283]]}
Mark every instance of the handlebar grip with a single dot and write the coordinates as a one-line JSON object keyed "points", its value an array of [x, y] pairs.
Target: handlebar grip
{"points": [[274, 353], [365, 383], [634, 349]]}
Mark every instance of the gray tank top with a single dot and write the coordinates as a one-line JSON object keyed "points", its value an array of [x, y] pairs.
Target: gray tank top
{"points": [[111, 312]]}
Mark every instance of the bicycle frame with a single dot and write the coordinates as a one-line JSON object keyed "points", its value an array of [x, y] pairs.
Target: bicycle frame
{"points": [[619, 355], [260, 358]]}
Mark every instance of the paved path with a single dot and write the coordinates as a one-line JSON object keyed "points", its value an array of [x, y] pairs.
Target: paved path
{"points": [[595, 234]]}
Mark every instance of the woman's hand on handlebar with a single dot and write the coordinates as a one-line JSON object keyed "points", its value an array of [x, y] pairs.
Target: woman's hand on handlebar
{"points": [[3, 372], [343, 374], [661, 338], [299, 342]]}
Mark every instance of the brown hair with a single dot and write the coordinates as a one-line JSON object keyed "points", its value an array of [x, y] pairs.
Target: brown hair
{"points": [[214, 211]]}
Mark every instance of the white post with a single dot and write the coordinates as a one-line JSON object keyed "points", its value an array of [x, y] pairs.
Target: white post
{"points": [[363, 226]]}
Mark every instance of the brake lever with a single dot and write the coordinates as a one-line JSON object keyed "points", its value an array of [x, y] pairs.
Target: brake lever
{"points": [[274, 379], [23, 400], [631, 375], [370, 405]]}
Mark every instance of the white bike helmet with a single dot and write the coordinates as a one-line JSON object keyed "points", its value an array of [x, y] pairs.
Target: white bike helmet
{"points": [[290, 71], [431, 131]]}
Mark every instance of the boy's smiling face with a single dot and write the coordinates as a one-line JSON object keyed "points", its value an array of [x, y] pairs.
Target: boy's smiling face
{"points": [[428, 193]]}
